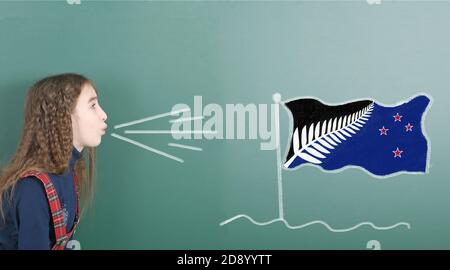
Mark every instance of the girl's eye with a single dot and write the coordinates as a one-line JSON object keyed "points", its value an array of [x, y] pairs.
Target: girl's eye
{"points": [[93, 105]]}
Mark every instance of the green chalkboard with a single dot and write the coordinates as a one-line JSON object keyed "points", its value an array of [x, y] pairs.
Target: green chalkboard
{"points": [[169, 190]]}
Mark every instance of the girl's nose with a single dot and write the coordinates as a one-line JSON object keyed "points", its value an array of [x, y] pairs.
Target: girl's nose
{"points": [[104, 116]]}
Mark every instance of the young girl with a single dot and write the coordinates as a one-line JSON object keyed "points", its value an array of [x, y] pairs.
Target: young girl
{"points": [[40, 187]]}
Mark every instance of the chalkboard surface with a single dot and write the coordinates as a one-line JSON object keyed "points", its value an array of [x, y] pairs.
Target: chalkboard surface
{"points": [[165, 182]]}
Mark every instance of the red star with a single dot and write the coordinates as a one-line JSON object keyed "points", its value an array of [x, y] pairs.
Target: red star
{"points": [[383, 131], [408, 127], [398, 117], [397, 153]]}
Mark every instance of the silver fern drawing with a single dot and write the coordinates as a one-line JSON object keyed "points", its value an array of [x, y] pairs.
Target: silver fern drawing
{"points": [[318, 140]]}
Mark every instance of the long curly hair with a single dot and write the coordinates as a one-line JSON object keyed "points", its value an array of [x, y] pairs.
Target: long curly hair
{"points": [[47, 140]]}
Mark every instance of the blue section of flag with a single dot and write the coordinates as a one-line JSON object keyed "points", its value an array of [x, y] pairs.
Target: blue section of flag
{"points": [[400, 147]]}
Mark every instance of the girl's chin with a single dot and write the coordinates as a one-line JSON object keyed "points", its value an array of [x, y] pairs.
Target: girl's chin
{"points": [[95, 144]]}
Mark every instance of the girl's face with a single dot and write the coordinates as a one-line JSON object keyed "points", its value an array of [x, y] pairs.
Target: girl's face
{"points": [[88, 120]]}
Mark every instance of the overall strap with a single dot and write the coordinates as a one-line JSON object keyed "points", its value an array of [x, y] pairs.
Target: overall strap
{"points": [[61, 235], [77, 219]]}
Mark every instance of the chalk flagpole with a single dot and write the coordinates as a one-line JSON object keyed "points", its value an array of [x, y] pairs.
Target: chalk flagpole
{"points": [[277, 99]]}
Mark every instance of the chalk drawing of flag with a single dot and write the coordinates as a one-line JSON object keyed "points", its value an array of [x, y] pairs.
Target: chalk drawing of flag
{"points": [[382, 140]]}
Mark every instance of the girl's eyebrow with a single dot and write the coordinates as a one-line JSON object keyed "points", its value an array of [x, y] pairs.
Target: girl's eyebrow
{"points": [[92, 99]]}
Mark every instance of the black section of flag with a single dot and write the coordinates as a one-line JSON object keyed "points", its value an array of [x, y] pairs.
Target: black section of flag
{"points": [[307, 111]]}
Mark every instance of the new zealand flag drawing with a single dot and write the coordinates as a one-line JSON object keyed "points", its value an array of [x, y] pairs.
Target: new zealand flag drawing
{"points": [[382, 140]]}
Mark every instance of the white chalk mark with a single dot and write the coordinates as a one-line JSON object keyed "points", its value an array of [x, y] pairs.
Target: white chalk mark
{"points": [[185, 146], [277, 98], [373, 245], [156, 151], [151, 118], [169, 132], [315, 222], [186, 119]]}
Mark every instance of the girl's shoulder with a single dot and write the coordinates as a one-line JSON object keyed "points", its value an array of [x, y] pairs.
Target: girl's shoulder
{"points": [[29, 186]]}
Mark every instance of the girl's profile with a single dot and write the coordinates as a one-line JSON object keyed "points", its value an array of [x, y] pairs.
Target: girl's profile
{"points": [[50, 177]]}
